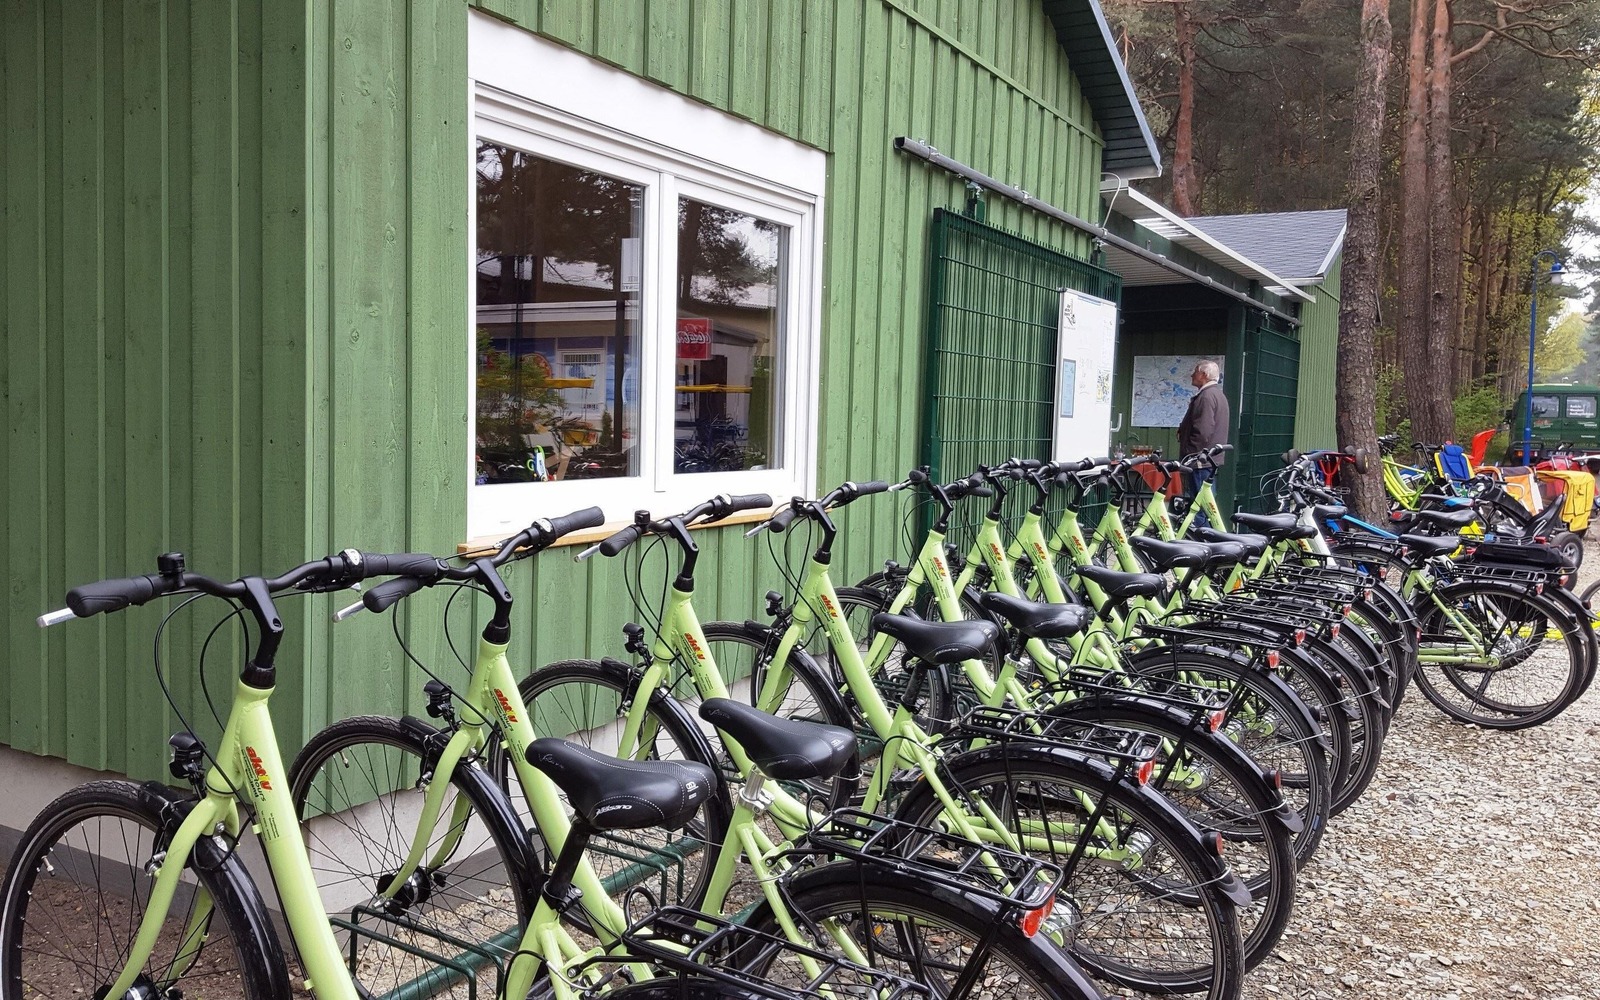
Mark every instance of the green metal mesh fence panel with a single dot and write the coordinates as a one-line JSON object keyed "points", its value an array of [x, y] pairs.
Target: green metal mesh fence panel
{"points": [[990, 374], [992, 316], [1271, 391]]}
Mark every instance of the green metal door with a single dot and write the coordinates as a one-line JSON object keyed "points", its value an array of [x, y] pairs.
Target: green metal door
{"points": [[1270, 394], [990, 372]]}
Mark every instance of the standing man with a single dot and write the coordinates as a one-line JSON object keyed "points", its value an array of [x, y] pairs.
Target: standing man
{"points": [[1206, 422]]}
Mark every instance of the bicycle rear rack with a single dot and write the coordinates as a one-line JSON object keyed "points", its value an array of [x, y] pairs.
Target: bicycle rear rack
{"points": [[688, 943], [1014, 881], [1108, 743]]}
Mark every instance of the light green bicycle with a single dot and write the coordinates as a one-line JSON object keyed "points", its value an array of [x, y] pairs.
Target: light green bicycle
{"points": [[437, 892]]}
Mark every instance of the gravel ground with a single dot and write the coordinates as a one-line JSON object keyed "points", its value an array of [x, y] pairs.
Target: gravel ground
{"points": [[1467, 870]]}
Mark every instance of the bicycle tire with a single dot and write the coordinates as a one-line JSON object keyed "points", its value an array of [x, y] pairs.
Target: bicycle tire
{"points": [[357, 787], [1270, 723], [1185, 931], [561, 697], [1475, 705], [238, 953], [902, 910], [1213, 783]]}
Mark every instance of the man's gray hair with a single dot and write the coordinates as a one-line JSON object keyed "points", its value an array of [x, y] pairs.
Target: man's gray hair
{"points": [[1211, 370]]}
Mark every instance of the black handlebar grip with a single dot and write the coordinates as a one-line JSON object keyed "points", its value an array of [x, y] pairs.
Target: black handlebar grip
{"points": [[750, 501], [621, 540], [876, 486], [1100, 460], [1216, 448], [589, 517], [418, 564], [980, 491], [782, 519], [107, 596], [386, 594], [1137, 460], [916, 477]]}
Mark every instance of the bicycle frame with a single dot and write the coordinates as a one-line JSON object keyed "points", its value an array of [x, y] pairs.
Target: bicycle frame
{"points": [[248, 760]]}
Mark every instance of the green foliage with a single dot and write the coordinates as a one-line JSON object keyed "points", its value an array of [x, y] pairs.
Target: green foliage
{"points": [[1560, 349], [1478, 410], [1391, 398]]}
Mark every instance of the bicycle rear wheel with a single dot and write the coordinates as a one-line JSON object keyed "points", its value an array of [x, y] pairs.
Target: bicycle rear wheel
{"points": [[79, 885], [1500, 657], [920, 932], [1140, 906]]}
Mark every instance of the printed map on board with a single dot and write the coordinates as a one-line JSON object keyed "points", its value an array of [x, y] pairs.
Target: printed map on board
{"points": [[1161, 389]]}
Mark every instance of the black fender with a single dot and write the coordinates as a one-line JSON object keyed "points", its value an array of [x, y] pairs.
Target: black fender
{"points": [[222, 862], [1093, 771], [494, 806], [1159, 712]]}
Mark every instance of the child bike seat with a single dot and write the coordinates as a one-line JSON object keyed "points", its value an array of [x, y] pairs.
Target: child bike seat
{"points": [[784, 749], [1038, 620], [939, 642], [612, 794]]}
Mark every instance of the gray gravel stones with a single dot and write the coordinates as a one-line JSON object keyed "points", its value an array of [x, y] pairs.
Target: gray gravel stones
{"points": [[1471, 868]]}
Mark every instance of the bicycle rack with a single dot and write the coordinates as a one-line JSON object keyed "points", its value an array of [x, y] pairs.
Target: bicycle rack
{"points": [[462, 969], [689, 943]]}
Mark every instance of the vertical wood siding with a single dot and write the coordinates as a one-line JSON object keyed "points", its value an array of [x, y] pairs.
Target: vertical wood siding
{"points": [[152, 316], [261, 232], [1314, 421]]}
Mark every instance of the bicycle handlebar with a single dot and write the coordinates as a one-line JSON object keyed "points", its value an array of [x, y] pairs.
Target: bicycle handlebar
{"points": [[718, 507], [332, 573]]}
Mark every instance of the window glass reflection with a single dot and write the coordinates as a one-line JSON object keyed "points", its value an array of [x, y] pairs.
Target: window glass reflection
{"points": [[559, 268], [730, 296]]}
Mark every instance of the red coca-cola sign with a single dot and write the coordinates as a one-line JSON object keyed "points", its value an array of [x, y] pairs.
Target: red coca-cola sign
{"points": [[694, 339]]}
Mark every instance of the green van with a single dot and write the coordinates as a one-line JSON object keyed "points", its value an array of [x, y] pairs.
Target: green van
{"points": [[1565, 418]]}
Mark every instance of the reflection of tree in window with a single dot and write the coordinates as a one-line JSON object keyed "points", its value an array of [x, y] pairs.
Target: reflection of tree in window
{"points": [[729, 274], [551, 234]]}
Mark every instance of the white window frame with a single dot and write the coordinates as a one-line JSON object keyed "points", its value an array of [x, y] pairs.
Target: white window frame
{"points": [[541, 97]]}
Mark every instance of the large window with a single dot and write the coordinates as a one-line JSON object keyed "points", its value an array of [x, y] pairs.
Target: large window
{"points": [[645, 293]]}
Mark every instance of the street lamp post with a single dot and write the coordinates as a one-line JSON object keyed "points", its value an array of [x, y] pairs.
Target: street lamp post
{"points": [[1558, 272]]}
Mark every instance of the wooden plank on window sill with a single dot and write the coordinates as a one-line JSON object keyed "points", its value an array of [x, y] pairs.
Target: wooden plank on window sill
{"points": [[487, 544]]}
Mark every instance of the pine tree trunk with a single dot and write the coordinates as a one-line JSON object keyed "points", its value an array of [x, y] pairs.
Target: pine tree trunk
{"points": [[1443, 254], [1185, 181], [1356, 378], [1426, 392]]}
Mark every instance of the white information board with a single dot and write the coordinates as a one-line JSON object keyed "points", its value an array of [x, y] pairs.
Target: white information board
{"points": [[1161, 387], [1086, 350]]}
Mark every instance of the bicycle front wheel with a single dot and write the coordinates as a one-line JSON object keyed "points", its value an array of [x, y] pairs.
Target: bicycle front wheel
{"points": [[358, 787], [79, 886], [584, 701], [926, 933]]}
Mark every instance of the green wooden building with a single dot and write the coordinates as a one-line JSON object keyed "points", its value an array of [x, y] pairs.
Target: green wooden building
{"points": [[282, 278]]}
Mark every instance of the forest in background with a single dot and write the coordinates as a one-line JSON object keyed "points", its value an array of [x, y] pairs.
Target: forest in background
{"points": [[1485, 149]]}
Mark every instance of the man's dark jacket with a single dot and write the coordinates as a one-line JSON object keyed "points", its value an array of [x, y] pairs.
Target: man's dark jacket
{"points": [[1206, 423]]}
